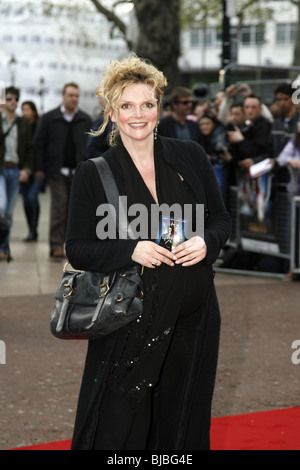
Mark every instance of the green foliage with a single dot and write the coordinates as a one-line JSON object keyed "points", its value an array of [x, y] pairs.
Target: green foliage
{"points": [[203, 12]]}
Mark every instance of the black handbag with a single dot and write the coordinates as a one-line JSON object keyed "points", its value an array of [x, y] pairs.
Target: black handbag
{"points": [[90, 305]]}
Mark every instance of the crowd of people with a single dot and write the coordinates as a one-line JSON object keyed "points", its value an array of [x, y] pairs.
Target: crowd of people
{"points": [[235, 128], [237, 131]]}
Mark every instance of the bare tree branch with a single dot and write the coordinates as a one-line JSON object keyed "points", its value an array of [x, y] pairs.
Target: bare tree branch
{"points": [[111, 16]]}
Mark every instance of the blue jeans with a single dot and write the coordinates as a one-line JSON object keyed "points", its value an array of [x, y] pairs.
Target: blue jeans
{"points": [[221, 175], [30, 193], [9, 190]]}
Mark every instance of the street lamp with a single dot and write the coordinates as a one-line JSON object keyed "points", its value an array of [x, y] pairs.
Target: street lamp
{"points": [[12, 64], [228, 12]]}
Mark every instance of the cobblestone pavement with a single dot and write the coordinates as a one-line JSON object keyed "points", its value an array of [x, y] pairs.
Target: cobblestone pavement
{"points": [[40, 382]]}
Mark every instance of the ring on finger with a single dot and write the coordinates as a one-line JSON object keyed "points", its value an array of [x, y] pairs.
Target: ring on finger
{"points": [[154, 263]]}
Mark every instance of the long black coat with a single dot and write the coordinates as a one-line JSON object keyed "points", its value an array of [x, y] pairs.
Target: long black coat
{"points": [[85, 252]]}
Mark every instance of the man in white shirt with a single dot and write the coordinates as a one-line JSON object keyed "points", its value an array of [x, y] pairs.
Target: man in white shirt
{"points": [[60, 143]]}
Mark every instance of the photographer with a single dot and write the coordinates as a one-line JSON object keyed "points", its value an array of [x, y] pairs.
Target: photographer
{"points": [[236, 94], [249, 145]]}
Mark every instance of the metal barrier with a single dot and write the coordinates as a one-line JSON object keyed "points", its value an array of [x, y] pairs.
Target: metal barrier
{"points": [[295, 230], [284, 240]]}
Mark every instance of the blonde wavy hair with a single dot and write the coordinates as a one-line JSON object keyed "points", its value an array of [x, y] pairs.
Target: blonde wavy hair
{"points": [[120, 74]]}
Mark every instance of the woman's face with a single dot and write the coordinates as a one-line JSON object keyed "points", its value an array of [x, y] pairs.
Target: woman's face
{"points": [[28, 113], [137, 113], [206, 126]]}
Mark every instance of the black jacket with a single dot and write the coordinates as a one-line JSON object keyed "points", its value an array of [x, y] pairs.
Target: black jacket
{"points": [[256, 143], [25, 148], [167, 128], [282, 132], [97, 145], [50, 137]]}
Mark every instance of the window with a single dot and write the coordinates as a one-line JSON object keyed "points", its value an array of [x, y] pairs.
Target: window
{"points": [[249, 35], [286, 33], [252, 35], [208, 37]]}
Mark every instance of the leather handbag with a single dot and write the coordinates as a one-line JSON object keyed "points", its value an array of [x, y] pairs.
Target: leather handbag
{"points": [[90, 305]]}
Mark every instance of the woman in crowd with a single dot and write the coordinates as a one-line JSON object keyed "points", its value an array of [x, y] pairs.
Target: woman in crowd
{"points": [[290, 156], [150, 384], [215, 144], [30, 191]]}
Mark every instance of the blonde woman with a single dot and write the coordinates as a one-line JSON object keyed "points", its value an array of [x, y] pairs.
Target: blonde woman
{"points": [[149, 385]]}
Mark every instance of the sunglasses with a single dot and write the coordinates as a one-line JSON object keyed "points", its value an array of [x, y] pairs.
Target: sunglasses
{"points": [[185, 102]]}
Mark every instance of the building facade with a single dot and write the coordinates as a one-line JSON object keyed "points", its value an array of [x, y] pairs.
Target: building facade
{"points": [[41, 53]]}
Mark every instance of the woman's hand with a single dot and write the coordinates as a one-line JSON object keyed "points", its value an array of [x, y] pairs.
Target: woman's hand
{"points": [[151, 255], [190, 252]]}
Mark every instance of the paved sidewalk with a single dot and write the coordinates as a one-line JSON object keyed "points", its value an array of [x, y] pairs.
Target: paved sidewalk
{"points": [[40, 382]]}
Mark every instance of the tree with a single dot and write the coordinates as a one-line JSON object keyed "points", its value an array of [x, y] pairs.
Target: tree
{"points": [[158, 27], [158, 38]]}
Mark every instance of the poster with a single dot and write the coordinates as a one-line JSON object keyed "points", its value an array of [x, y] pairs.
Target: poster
{"points": [[256, 212]]}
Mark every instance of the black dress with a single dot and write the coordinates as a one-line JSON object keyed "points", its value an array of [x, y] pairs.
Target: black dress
{"points": [[173, 297], [150, 385]]}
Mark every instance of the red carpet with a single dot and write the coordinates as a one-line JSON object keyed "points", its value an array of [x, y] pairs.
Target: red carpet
{"points": [[270, 430]]}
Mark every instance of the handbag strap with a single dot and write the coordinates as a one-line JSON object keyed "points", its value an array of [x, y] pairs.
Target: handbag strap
{"points": [[112, 195], [3, 137]]}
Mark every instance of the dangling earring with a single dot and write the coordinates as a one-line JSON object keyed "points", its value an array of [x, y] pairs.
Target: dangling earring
{"points": [[112, 135], [155, 133]]}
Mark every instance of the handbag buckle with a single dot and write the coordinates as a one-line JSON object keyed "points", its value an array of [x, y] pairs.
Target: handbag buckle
{"points": [[68, 286], [105, 284]]}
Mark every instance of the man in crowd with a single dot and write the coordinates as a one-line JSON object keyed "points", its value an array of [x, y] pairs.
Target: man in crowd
{"points": [[60, 143], [16, 161], [236, 117], [177, 125], [235, 94], [285, 126], [249, 145]]}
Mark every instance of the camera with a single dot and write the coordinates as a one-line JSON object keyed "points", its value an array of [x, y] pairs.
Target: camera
{"points": [[230, 126], [238, 89]]}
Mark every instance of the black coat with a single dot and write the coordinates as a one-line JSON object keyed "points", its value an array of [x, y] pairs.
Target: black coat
{"points": [[256, 142], [86, 252], [50, 138], [25, 148], [97, 145]]}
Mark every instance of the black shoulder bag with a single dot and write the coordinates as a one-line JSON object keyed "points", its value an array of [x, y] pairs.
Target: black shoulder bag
{"points": [[90, 305]]}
